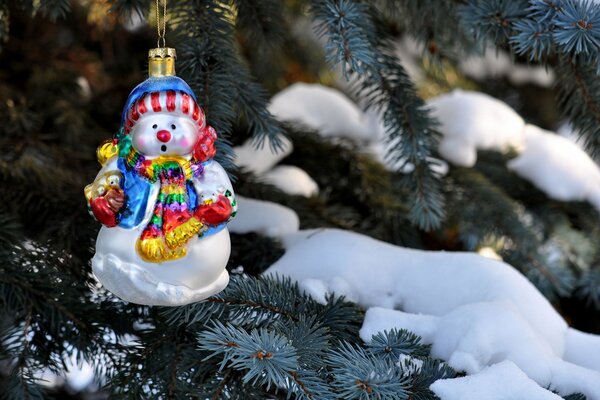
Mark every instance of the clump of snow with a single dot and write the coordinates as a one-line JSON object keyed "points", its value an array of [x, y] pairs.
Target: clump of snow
{"points": [[468, 121], [291, 180], [501, 316], [323, 109], [558, 166], [260, 159], [502, 381], [473, 120], [498, 63], [265, 217], [78, 375], [583, 349], [476, 335], [380, 274], [262, 162], [567, 130], [555, 164]]}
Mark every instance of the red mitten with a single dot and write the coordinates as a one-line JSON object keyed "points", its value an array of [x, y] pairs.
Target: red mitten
{"points": [[214, 213], [106, 208]]}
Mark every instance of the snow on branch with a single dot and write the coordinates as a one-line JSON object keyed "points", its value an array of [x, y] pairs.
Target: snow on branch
{"points": [[501, 316]]}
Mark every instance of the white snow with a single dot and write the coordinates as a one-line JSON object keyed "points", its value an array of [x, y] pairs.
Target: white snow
{"points": [[291, 180], [567, 130], [496, 63], [77, 375], [260, 159], [502, 381], [332, 114], [262, 162], [583, 349], [469, 121], [323, 109], [265, 217], [558, 166], [473, 120], [476, 335], [475, 311]]}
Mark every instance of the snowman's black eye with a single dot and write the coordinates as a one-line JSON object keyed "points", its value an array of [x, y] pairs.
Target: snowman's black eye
{"points": [[173, 126], [154, 126]]}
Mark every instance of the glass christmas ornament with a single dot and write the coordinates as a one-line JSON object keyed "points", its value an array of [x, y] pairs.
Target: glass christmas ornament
{"points": [[163, 201]]}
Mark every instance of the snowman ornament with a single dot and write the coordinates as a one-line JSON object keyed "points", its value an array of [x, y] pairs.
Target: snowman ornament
{"points": [[163, 201]]}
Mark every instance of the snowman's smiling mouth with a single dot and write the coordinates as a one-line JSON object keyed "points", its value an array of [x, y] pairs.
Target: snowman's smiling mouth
{"points": [[163, 148]]}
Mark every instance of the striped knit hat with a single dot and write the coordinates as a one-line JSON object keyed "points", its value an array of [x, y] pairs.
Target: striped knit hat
{"points": [[171, 101]]}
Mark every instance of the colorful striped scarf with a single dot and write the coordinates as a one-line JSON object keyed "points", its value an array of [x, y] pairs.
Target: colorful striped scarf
{"points": [[172, 223]]}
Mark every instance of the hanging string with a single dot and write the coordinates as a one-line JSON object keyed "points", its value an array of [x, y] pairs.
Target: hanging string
{"points": [[162, 30]]}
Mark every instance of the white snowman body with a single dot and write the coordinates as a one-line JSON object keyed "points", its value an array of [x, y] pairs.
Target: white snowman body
{"points": [[201, 272]]}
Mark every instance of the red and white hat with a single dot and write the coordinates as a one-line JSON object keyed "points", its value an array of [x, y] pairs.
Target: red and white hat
{"points": [[171, 101]]}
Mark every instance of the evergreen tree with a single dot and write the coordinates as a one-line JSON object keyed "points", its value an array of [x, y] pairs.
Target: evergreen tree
{"points": [[67, 67]]}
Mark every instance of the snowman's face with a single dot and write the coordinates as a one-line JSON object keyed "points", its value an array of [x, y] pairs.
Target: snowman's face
{"points": [[164, 134]]}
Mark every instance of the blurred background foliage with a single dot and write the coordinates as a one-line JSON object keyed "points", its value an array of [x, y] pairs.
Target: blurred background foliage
{"points": [[66, 68]]}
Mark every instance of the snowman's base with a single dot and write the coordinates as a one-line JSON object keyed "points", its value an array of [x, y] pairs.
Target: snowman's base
{"points": [[132, 283]]}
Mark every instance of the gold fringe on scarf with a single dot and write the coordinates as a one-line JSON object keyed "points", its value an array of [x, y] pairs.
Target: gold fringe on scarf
{"points": [[155, 250], [184, 232]]}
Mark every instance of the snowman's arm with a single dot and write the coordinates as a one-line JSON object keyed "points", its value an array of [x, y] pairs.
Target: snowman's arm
{"points": [[216, 200]]}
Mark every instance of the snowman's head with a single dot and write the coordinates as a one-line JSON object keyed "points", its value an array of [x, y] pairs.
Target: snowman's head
{"points": [[164, 134], [167, 123]]}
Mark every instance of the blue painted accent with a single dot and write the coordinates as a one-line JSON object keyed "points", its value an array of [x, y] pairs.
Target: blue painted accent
{"points": [[137, 191], [193, 196], [156, 84], [213, 229]]}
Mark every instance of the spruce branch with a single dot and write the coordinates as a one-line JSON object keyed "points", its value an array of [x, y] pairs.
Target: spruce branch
{"points": [[350, 35], [588, 287], [360, 375], [386, 87], [506, 220], [391, 344], [493, 18], [262, 23], [213, 68], [579, 99], [126, 9], [52, 9], [567, 28], [423, 377], [171, 387], [266, 357], [578, 28]]}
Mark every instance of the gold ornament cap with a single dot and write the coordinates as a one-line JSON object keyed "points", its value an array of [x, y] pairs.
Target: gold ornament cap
{"points": [[161, 61]]}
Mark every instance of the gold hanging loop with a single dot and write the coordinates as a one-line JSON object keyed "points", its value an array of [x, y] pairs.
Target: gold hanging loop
{"points": [[161, 30], [161, 60]]}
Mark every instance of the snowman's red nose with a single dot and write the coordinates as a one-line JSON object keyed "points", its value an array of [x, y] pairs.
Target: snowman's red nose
{"points": [[164, 136]]}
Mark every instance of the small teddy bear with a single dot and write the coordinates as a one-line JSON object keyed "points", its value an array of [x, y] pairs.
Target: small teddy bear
{"points": [[106, 198]]}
